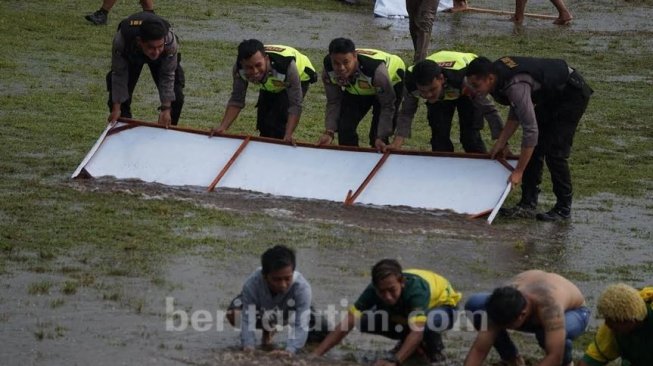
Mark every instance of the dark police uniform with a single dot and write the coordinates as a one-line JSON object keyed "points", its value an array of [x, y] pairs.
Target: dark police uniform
{"points": [[548, 98], [471, 111], [281, 92], [127, 62], [377, 84]]}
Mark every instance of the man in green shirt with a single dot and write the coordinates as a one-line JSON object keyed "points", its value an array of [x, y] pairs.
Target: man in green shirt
{"points": [[412, 306]]}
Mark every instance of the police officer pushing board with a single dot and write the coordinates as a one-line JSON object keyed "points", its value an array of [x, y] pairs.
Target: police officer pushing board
{"points": [[439, 79], [145, 38], [356, 80], [283, 75], [547, 98]]}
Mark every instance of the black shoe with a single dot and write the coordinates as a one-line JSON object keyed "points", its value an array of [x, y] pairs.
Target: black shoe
{"points": [[518, 211], [555, 214], [97, 18]]}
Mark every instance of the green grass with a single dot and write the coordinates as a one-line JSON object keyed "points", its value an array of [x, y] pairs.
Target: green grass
{"points": [[53, 106]]}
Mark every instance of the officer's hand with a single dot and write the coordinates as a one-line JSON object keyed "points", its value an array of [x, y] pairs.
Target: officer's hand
{"points": [[396, 143], [289, 138], [164, 118], [515, 178], [380, 145], [114, 115], [217, 131], [506, 151], [497, 150], [324, 139]]}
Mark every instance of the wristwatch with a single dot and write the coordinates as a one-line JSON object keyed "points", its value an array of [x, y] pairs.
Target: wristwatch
{"points": [[164, 107]]}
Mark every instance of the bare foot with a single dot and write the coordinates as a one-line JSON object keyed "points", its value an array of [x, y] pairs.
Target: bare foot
{"points": [[459, 5], [516, 19], [563, 21], [564, 18]]}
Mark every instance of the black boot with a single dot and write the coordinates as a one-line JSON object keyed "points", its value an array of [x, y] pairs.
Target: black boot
{"points": [[555, 214]]}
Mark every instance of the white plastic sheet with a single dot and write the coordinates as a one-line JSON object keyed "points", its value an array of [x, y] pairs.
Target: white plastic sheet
{"points": [[462, 184], [397, 8]]}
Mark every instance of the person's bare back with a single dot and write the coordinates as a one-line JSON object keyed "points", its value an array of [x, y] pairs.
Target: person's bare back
{"points": [[550, 294]]}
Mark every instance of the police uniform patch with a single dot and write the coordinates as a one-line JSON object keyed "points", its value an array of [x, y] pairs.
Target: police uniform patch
{"points": [[509, 62], [274, 49], [447, 64], [135, 22], [367, 52], [364, 84]]}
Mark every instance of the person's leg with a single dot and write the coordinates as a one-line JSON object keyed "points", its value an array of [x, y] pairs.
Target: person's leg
{"points": [[352, 110], [100, 16], [180, 83], [562, 125], [564, 16], [421, 24], [148, 5], [234, 311], [520, 7], [576, 322], [471, 124], [272, 114], [439, 115], [438, 320], [378, 322], [476, 311]]}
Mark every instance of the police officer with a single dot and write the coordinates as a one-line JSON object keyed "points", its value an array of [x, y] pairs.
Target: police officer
{"points": [[356, 80], [283, 75], [439, 79], [145, 38], [547, 98]]}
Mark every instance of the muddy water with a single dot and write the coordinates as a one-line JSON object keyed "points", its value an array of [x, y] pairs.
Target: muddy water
{"points": [[316, 29], [120, 320], [123, 320]]}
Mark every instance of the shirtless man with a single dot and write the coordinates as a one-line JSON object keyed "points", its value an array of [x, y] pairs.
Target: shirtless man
{"points": [[539, 302], [564, 16]]}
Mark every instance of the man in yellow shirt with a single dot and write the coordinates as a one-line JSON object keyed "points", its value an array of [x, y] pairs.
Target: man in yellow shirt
{"points": [[628, 328]]}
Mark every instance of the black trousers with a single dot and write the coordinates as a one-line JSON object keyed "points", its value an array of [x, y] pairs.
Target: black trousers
{"points": [[557, 120], [354, 108], [440, 115], [134, 73], [272, 112]]}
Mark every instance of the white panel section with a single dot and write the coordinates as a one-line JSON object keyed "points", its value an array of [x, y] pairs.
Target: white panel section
{"points": [[299, 171], [163, 156], [397, 8], [462, 185]]}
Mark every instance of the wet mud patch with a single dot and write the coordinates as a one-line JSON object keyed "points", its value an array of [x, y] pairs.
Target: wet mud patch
{"points": [[60, 306], [318, 28]]}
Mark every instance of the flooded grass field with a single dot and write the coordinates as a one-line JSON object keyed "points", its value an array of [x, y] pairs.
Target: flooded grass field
{"points": [[103, 272]]}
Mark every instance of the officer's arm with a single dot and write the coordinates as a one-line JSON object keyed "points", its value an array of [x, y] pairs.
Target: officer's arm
{"points": [[167, 71], [294, 100], [235, 103], [386, 96], [405, 118], [334, 96]]}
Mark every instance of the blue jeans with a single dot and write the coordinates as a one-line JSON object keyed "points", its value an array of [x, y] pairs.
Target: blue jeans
{"points": [[438, 320], [576, 321]]}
